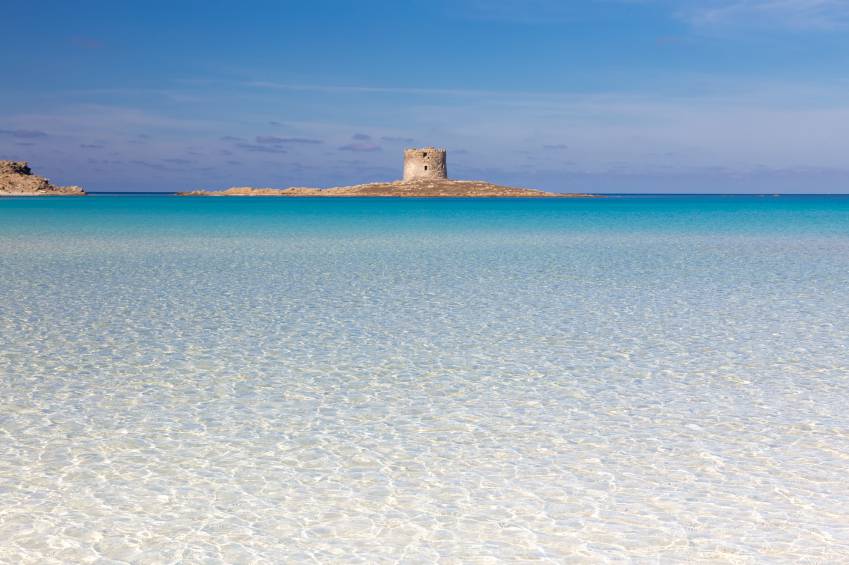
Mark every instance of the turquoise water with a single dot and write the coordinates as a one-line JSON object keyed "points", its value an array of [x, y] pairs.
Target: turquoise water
{"points": [[647, 379]]}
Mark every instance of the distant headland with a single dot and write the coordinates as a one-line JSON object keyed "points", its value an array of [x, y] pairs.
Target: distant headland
{"points": [[16, 179], [425, 176]]}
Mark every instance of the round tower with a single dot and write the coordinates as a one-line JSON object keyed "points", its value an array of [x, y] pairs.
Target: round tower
{"points": [[425, 163]]}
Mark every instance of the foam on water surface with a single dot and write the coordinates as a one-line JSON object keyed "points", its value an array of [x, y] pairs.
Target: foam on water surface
{"points": [[265, 381]]}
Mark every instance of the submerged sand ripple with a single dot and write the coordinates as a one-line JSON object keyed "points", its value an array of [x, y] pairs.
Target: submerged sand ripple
{"points": [[415, 397]]}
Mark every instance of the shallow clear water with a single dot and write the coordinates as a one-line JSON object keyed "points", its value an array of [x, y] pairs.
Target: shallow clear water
{"points": [[378, 381]]}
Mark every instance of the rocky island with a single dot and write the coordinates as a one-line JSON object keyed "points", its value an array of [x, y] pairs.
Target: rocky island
{"points": [[16, 179], [425, 176], [399, 189]]}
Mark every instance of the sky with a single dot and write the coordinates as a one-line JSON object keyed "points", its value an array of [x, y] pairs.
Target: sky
{"points": [[678, 96]]}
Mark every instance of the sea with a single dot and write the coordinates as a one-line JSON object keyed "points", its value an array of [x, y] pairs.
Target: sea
{"points": [[630, 379]]}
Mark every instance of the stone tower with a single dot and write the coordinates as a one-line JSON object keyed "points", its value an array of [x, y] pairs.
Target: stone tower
{"points": [[425, 163]]}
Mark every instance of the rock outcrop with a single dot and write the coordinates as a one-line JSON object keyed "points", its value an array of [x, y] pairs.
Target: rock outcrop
{"points": [[16, 179], [430, 188]]}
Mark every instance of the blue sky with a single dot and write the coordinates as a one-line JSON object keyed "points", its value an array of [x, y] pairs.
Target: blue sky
{"points": [[595, 95]]}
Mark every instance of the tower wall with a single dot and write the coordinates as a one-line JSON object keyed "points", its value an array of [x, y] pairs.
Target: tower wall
{"points": [[425, 163]]}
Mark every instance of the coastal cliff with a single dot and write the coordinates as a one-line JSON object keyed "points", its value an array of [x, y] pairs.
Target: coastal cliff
{"points": [[16, 179], [424, 188]]}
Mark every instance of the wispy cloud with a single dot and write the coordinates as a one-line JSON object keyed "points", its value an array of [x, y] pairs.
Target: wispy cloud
{"points": [[703, 120], [274, 140], [788, 14], [361, 147], [362, 144], [269, 139], [362, 89], [302, 140], [260, 148], [92, 119], [23, 133], [147, 164]]}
